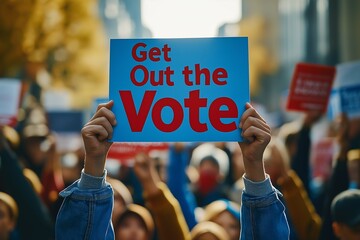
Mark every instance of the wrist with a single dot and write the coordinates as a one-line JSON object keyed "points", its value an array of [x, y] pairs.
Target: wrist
{"points": [[255, 171], [258, 189], [88, 181], [94, 167], [149, 181], [149, 187]]}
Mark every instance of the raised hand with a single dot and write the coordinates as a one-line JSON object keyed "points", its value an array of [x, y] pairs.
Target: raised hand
{"points": [[257, 135], [95, 135], [343, 137], [146, 173], [311, 117]]}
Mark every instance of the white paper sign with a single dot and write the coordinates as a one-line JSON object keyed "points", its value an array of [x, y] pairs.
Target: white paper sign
{"points": [[10, 90]]}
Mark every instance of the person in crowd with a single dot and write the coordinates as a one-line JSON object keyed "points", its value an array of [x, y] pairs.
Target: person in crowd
{"points": [[353, 156], [197, 181], [298, 143], [165, 209], [212, 166], [179, 181], [260, 200], [348, 138], [12, 138], [345, 212], [34, 221], [122, 198], [232, 174], [135, 223], [209, 231], [226, 214], [8, 216], [38, 153], [304, 222]]}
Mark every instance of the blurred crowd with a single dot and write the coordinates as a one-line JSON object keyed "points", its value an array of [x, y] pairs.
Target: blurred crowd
{"points": [[192, 186]]}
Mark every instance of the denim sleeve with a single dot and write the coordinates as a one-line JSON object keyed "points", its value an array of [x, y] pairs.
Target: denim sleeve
{"points": [[86, 210], [262, 212]]}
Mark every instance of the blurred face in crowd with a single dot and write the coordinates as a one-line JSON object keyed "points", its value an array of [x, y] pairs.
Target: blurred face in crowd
{"points": [[229, 223], [131, 228], [37, 149], [7, 224], [209, 175]]}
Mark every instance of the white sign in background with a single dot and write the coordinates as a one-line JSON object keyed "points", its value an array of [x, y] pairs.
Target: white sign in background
{"points": [[9, 99], [345, 96]]}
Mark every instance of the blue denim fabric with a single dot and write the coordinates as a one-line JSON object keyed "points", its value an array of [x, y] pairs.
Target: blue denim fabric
{"points": [[85, 213], [263, 214]]}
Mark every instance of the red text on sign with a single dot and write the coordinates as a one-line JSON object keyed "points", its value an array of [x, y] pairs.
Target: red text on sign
{"points": [[140, 75], [194, 102], [140, 53], [218, 76]]}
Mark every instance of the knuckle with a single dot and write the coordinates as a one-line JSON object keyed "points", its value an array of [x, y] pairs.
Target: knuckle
{"points": [[84, 130], [103, 111]]}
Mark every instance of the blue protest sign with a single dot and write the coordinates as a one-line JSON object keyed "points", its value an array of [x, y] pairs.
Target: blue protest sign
{"points": [[168, 90], [345, 95], [346, 100]]}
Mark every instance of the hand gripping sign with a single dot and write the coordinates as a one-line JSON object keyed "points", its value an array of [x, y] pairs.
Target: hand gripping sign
{"points": [[167, 90]]}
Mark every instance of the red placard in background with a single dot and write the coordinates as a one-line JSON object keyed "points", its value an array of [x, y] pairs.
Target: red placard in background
{"points": [[322, 155], [310, 88], [125, 152]]}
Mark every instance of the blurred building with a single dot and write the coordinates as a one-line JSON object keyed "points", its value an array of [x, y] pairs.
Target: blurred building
{"points": [[62, 45], [285, 32], [56, 45], [122, 18]]}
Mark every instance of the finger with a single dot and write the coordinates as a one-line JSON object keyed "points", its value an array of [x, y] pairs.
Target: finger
{"points": [[141, 159], [103, 121], [107, 105], [250, 111], [252, 121], [97, 131], [105, 112], [252, 134]]}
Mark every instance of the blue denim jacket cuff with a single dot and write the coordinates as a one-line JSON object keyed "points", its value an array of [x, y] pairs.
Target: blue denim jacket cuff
{"points": [[90, 182], [258, 189]]}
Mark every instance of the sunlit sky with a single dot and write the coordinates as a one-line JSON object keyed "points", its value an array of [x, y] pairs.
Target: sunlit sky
{"points": [[188, 18]]}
